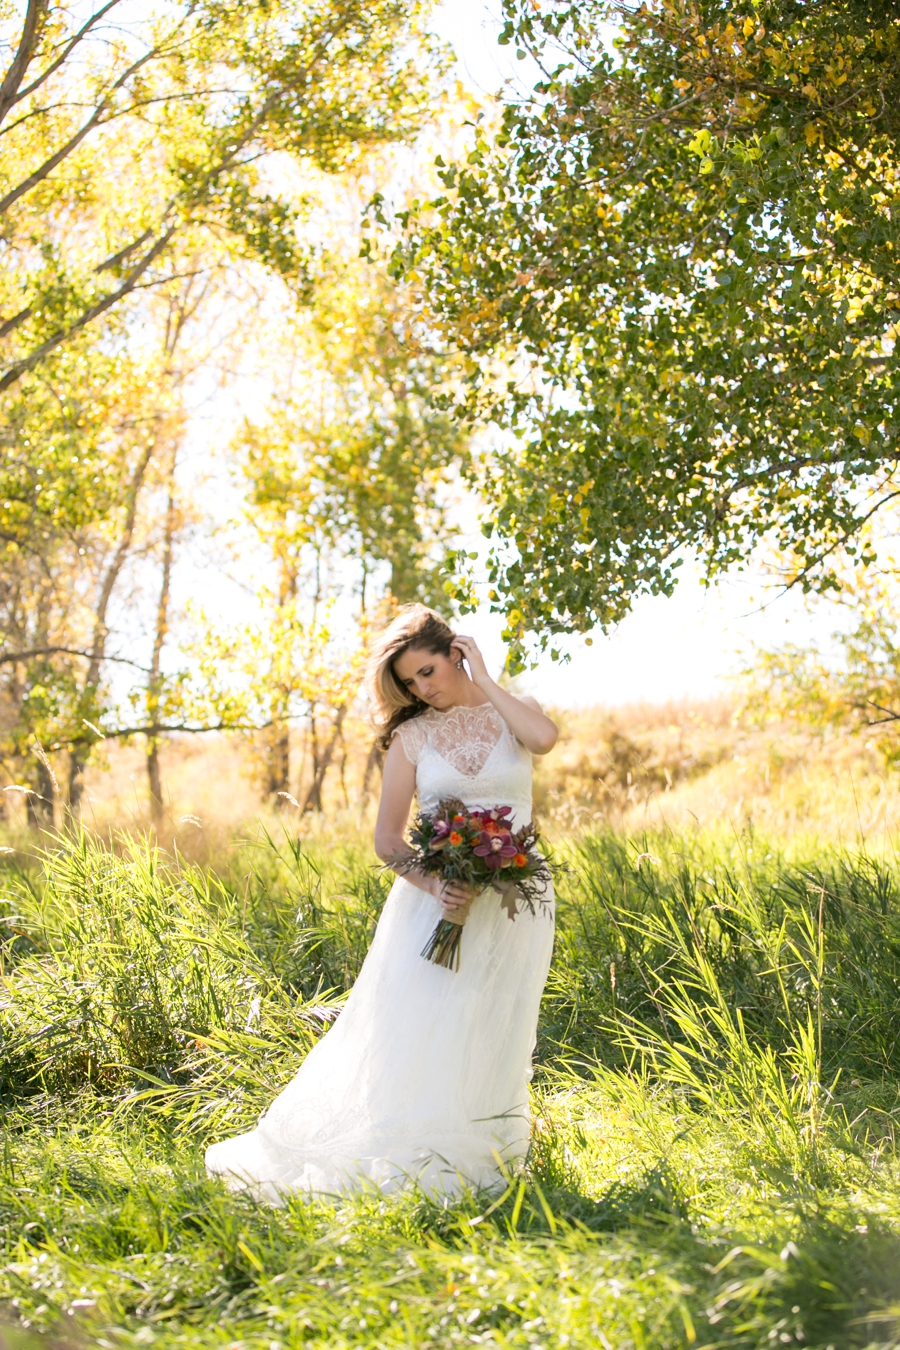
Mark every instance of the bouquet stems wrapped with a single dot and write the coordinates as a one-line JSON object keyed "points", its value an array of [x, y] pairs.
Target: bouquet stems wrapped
{"points": [[478, 848]]}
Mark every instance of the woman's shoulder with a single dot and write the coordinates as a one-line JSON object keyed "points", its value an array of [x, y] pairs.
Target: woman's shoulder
{"points": [[413, 734]]}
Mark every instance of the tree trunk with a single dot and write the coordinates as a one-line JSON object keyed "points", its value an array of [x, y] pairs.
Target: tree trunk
{"points": [[313, 798], [40, 803], [154, 682], [343, 772], [98, 646], [278, 760], [374, 761]]}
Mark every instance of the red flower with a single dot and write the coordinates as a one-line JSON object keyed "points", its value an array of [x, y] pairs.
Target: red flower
{"points": [[497, 849], [455, 837], [521, 860]]}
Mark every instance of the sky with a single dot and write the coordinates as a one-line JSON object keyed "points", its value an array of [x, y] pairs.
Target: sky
{"points": [[685, 647]]}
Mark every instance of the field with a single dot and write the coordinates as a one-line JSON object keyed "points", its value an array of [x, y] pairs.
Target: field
{"points": [[715, 1157]]}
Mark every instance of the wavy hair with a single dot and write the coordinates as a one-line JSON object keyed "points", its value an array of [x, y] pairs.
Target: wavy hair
{"points": [[391, 702]]}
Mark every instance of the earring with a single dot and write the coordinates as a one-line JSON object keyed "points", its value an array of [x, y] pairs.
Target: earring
{"points": [[459, 665]]}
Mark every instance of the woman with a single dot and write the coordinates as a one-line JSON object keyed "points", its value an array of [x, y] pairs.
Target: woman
{"points": [[425, 1073]]}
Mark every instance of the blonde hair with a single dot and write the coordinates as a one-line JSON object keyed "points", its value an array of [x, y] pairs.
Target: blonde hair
{"points": [[390, 701]]}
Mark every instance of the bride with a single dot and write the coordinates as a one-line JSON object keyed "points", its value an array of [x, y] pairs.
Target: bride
{"points": [[424, 1075]]}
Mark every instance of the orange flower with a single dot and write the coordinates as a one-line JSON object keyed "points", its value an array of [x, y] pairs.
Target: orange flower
{"points": [[455, 837], [458, 819], [520, 859], [491, 827]]}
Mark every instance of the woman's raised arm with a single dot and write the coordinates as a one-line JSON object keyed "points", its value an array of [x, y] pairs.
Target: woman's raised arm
{"points": [[524, 716]]}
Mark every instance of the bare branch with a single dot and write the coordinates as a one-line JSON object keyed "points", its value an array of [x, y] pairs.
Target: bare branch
{"points": [[890, 714], [7, 658], [162, 729]]}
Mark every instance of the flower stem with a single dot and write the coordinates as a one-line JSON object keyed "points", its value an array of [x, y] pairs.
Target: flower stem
{"points": [[443, 946]]}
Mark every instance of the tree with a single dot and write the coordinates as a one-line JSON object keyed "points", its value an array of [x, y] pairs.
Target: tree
{"points": [[854, 684], [112, 154], [76, 522], [683, 253], [355, 456], [348, 477], [260, 678], [67, 529], [134, 168]]}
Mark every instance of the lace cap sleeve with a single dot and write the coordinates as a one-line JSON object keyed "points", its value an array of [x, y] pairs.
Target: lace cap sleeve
{"points": [[412, 735]]}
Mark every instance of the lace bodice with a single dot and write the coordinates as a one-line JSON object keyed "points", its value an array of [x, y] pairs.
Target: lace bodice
{"points": [[468, 753]]}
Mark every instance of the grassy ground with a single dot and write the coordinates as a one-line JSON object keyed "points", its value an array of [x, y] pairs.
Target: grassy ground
{"points": [[715, 1157]]}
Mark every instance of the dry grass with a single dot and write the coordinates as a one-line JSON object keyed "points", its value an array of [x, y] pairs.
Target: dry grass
{"points": [[701, 764], [212, 792]]}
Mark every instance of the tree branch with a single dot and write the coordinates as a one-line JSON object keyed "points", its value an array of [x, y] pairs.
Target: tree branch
{"points": [[115, 566], [890, 715], [7, 658], [123, 253], [845, 535], [64, 151], [35, 18], [8, 325], [20, 368], [63, 56], [161, 729]]}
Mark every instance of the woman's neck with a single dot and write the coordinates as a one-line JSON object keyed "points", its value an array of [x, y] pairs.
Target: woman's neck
{"points": [[470, 696]]}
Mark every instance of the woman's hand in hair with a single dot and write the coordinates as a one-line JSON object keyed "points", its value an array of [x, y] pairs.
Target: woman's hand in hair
{"points": [[468, 649], [523, 715]]}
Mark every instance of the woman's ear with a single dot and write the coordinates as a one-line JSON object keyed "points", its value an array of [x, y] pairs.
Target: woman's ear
{"points": [[456, 656]]}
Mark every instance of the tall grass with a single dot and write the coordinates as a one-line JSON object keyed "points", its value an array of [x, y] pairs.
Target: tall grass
{"points": [[714, 1159]]}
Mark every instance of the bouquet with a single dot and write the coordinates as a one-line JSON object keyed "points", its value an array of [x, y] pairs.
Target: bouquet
{"points": [[481, 849]]}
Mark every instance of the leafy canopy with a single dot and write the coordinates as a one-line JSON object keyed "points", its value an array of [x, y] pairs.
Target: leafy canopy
{"points": [[354, 460], [684, 250]]}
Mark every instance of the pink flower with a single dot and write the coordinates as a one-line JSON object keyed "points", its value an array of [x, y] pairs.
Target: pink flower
{"points": [[441, 836], [498, 850]]}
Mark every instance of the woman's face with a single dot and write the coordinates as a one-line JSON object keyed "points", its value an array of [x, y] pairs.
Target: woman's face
{"points": [[432, 677]]}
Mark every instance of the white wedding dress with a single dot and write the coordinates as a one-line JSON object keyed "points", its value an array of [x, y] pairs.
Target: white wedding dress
{"points": [[425, 1073]]}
